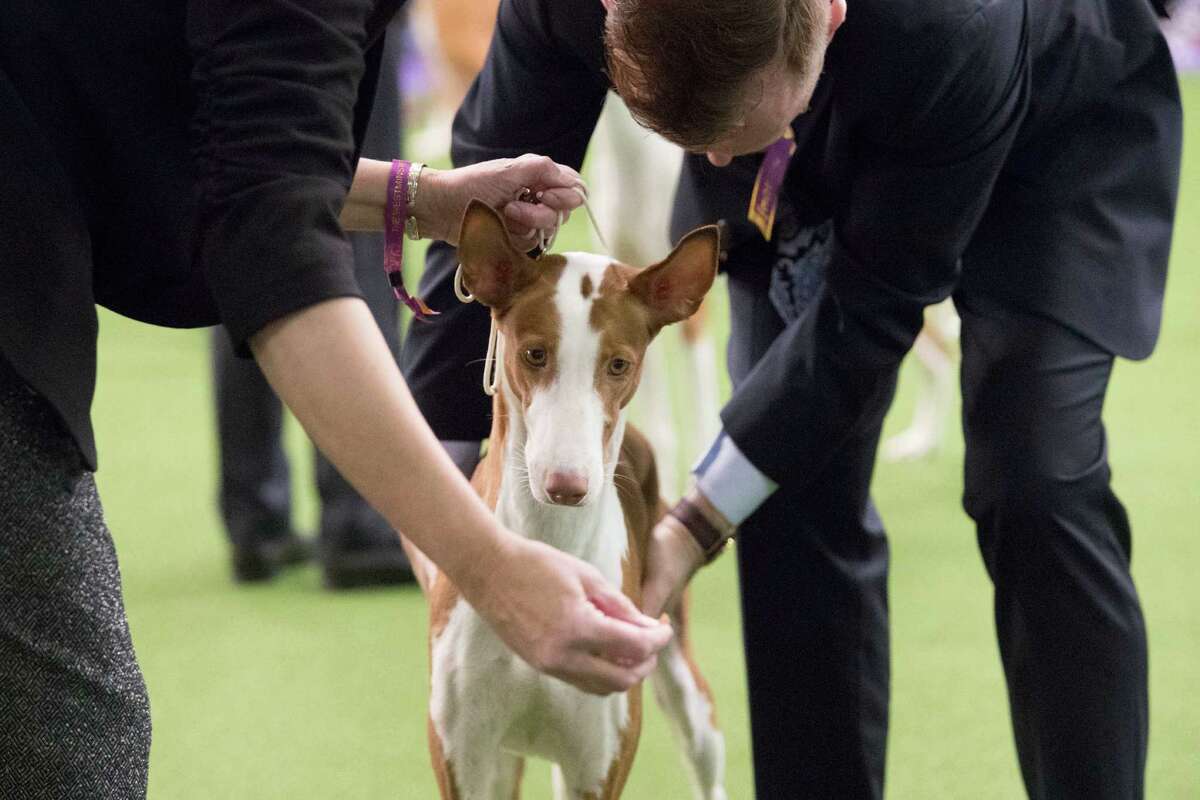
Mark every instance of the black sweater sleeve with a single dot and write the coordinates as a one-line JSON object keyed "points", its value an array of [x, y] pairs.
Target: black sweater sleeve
{"points": [[276, 84]]}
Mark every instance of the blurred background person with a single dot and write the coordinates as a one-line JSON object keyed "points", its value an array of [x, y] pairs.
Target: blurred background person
{"points": [[355, 544], [1183, 34]]}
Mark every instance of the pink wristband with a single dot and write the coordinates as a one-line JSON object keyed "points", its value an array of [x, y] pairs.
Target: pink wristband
{"points": [[395, 213]]}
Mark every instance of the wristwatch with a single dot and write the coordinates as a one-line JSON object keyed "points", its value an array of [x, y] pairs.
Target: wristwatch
{"points": [[707, 526]]}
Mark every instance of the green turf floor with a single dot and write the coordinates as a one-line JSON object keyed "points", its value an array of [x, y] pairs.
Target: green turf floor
{"points": [[288, 691]]}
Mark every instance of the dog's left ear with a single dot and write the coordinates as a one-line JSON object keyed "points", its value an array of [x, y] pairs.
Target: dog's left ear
{"points": [[674, 288]]}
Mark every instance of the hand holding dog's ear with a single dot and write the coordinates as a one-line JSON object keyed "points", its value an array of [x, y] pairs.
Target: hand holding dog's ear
{"points": [[498, 183]]}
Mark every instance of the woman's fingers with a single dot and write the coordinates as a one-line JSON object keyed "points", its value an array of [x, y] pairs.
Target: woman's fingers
{"points": [[547, 194], [523, 236], [615, 604], [597, 676], [563, 200], [518, 228], [623, 643], [541, 172], [524, 216]]}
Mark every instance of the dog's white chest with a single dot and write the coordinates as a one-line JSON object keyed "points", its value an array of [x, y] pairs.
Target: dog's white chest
{"points": [[483, 698]]}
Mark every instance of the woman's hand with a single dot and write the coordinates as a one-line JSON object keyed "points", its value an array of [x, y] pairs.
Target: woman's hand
{"points": [[563, 618], [443, 196], [672, 560]]}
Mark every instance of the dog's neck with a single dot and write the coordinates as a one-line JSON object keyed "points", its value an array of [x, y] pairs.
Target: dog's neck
{"points": [[595, 532]]}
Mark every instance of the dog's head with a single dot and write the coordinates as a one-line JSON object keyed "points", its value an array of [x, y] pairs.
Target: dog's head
{"points": [[576, 327]]}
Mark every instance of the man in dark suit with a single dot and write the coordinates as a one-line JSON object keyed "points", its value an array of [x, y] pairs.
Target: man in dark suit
{"points": [[1019, 156]]}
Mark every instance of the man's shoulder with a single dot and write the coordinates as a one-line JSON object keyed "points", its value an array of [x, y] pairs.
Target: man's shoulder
{"points": [[917, 33], [916, 23], [893, 50]]}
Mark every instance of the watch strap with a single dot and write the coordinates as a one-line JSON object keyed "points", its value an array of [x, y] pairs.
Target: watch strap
{"points": [[709, 537]]}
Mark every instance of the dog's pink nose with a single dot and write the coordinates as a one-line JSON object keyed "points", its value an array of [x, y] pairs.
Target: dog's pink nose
{"points": [[566, 488]]}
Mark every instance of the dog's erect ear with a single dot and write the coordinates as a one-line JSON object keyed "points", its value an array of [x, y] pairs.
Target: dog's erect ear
{"points": [[493, 270], [673, 288]]}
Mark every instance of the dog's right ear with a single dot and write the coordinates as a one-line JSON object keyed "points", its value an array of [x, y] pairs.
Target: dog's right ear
{"points": [[493, 270]]}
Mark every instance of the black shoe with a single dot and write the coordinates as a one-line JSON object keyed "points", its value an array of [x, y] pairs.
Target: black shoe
{"points": [[261, 560], [357, 559]]}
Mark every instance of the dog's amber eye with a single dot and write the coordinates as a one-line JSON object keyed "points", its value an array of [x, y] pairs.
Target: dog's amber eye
{"points": [[535, 357], [618, 366]]}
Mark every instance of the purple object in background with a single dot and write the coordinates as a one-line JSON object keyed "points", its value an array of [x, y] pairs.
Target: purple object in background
{"points": [[1183, 34], [415, 75]]}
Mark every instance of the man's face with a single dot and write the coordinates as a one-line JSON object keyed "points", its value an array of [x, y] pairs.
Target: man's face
{"points": [[775, 96]]}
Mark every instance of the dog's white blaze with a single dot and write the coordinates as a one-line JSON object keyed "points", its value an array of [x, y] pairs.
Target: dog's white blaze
{"points": [[486, 703], [566, 419]]}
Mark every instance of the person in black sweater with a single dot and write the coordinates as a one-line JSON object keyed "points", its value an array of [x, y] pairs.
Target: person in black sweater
{"points": [[1021, 157], [184, 163]]}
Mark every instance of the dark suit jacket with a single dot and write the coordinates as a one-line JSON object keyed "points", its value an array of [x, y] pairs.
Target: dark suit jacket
{"points": [[1026, 152], [182, 163]]}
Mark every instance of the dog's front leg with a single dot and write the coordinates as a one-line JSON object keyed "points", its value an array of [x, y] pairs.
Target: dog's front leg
{"points": [[475, 774]]}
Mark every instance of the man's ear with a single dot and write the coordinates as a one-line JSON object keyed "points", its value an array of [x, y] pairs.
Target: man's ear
{"points": [[493, 270], [673, 288], [837, 15]]}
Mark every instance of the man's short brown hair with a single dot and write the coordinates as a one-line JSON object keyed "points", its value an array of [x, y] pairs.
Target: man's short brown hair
{"points": [[683, 66]]}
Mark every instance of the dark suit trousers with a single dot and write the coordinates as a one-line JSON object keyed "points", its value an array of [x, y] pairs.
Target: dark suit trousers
{"points": [[255, 493], [1054, 538]]}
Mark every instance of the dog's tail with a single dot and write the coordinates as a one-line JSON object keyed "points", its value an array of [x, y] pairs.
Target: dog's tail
{"points": [[422, 566]]}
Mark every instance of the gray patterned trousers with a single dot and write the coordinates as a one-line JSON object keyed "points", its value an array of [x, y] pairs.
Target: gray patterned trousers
{"points": [[74, 715]]}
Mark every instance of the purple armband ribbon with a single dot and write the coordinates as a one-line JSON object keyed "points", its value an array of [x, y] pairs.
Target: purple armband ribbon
{"points": [[395, 213]]}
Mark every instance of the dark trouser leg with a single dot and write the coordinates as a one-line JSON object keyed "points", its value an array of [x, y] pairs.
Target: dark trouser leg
{"points": [[1056, 542], [255, 490], [813, 570], [344, 513], [74, 715]]}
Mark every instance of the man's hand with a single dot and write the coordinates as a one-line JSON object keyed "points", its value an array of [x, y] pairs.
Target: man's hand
{"points": [[562, 617], [674, 556]]}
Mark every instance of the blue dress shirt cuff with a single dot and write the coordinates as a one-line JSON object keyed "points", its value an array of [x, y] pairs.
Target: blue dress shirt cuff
{"points": [[730, 481]]}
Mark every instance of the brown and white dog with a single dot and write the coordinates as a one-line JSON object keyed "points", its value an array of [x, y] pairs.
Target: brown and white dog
{"points": [[562, 465]]}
